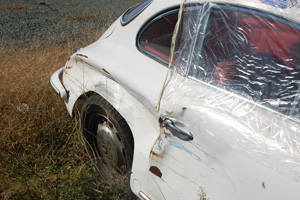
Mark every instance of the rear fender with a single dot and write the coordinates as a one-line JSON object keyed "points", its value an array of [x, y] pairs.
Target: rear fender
{"points": [[80, 78]]}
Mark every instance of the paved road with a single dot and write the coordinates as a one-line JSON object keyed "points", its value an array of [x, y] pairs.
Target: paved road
{"points": [[56, 20]]}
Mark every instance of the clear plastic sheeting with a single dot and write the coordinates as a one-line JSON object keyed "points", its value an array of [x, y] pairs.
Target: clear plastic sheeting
{"points": [[238, 72]]}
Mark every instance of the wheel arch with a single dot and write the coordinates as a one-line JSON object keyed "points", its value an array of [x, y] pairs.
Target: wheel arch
{"points": [[142, 122]]}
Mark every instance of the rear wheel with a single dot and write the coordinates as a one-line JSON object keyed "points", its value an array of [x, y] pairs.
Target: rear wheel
{"points": [[108, 140]]}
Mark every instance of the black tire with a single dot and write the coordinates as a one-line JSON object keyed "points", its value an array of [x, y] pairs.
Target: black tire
{"points": [[108, 140]]}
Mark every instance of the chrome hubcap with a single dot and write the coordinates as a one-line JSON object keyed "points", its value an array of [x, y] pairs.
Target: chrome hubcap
{"points": [[110, 147]]}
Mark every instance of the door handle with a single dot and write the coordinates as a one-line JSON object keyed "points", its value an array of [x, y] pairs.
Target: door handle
{"points": [[169, 124]]}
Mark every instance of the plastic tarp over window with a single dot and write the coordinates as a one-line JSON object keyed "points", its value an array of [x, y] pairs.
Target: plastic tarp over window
{"points": [[237, 66]]}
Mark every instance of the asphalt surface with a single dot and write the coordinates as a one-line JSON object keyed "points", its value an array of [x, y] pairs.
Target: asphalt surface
{"points": [[24, 21]]}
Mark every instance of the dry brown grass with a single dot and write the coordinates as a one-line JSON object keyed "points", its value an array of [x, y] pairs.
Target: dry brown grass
{"points": [[32, 121], [17, 7], [41, 154], [84, 17]]}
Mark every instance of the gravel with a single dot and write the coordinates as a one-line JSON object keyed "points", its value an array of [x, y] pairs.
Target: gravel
{"points": [[56, 21]]}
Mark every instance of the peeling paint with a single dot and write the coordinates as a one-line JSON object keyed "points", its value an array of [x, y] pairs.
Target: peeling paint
{"points": [[74, 80], [181, 147], [172, 157], [159, 149], [157, 155], [82, 55], [105, 71], [156, 171], [161, 144], [160, 120]]}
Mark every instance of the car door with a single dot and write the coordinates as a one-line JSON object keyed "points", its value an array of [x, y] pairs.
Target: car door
{"points": [[230, 124]]}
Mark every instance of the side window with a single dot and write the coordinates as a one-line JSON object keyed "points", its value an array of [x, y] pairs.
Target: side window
{"points": [[254, 55], [156, 37]]}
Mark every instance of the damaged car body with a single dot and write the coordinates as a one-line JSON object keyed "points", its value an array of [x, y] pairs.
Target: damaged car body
{"points": [[193, 99]]}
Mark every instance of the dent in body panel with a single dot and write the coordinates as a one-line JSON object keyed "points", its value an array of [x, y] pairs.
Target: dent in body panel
{"points": [[245, 127], [167, 141], [163, 152], [81, 77], [192, 154], [163, 162]]}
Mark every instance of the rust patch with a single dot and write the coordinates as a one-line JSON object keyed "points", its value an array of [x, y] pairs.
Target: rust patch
{"points": [[157, 155], [160, 120], [184, 108], [155, 171], [82, 55], [105, 71]]}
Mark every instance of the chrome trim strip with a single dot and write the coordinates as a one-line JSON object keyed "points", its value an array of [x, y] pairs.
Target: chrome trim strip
{"points": [[144, 196], [144, 6]]}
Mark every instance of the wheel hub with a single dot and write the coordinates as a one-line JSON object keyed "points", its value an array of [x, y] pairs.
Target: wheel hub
{"points": [[109, 146]]}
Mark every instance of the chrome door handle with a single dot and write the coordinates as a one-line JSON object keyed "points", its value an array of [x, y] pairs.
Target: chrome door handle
{"points": [[169, 124]]}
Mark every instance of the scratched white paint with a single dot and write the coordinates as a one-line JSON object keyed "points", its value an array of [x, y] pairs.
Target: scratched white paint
{"points": [[240, 150]]}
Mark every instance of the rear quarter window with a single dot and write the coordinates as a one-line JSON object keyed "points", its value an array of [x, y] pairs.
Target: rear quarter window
{"points": [[156, 36]]}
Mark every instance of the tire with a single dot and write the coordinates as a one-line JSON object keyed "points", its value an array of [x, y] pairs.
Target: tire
{"points": [[108, 140]]}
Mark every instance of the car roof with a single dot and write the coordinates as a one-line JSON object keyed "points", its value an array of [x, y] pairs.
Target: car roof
{"points": [[289, 9]]}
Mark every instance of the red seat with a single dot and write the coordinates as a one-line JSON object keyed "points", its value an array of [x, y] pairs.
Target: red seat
{"points": [[157, 53], [224, 72], [271, 37]]}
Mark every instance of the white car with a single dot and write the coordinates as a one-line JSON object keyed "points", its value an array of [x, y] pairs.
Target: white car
{"points": [[211, 113]]}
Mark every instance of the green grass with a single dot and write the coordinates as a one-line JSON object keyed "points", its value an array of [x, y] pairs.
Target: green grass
{"points": [[41, 151]]}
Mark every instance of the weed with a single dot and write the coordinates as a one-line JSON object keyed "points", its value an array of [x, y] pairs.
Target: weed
{"points": [[202, 194]]}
